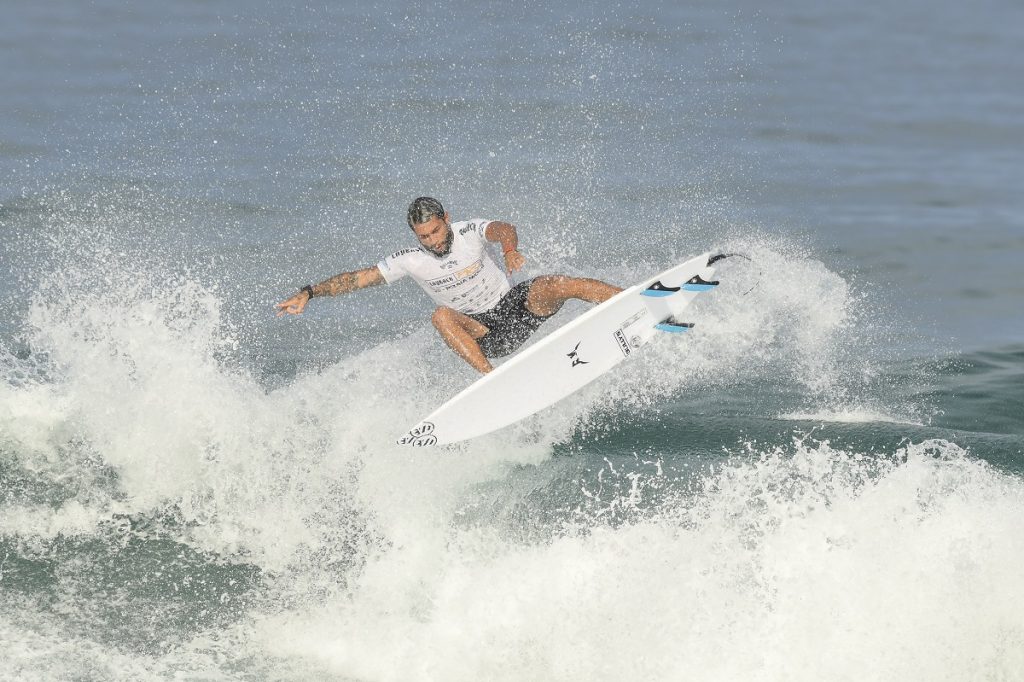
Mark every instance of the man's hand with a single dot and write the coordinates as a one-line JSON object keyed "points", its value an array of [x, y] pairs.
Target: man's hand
{"points": [[513, 261], [339, 284], [505, 234], [294, 305]]}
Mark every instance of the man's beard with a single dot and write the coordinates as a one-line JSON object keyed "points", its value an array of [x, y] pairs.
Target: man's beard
{"points": [[447, 248]]}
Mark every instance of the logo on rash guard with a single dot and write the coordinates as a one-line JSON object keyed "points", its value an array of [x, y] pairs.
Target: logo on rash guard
{"points": [[441, 281], [471, 270], [457, 277]]}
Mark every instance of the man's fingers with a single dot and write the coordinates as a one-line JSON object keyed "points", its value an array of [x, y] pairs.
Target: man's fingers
{"points": [[288, 307], [514, 261]]}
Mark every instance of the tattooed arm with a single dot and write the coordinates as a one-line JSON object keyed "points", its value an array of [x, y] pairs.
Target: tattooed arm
{"points": [[339, 284]]}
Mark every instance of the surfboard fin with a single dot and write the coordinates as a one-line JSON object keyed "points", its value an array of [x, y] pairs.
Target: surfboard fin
{"points": [[673, 326], [659, 290], [697, 283]]}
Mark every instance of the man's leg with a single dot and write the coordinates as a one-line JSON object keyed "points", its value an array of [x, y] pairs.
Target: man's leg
{"points": [[461, 332], [548, 293]]}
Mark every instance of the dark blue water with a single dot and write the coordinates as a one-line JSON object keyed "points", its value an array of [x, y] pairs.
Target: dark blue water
{"points": [[822, 481]]}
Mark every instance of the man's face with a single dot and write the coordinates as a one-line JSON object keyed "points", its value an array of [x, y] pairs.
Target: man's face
{"points": [[435, 235]]}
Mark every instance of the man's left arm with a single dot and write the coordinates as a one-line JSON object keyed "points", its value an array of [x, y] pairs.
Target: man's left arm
{"points": [[505, 234]]}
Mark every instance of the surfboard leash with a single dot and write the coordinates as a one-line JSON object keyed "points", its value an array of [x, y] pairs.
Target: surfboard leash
{"points": [[723, 256]]}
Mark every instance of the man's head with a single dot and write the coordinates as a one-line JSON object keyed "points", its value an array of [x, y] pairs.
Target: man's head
{"points": [[430, 222]]}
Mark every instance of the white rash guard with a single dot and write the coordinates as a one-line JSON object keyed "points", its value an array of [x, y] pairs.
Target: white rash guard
{"points": [[467, 279]]}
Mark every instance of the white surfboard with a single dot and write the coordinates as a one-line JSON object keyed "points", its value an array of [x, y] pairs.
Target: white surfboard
{"points": [[569, 358]]}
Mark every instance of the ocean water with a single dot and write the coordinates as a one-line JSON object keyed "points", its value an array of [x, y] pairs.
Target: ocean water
{"points": [[823, 480]]}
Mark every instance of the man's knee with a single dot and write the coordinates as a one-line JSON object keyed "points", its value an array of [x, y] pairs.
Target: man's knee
{"points": [[552, 286], [443, 317], [547, 294]]}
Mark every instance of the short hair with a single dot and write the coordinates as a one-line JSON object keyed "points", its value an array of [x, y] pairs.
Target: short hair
{"points": [[423, 209]]}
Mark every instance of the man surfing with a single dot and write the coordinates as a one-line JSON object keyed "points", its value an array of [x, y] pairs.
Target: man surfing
{"points": [[479, 313]]}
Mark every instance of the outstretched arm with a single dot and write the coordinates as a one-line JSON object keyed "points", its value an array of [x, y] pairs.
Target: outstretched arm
{"points": [[339, 284], [505, 234]]}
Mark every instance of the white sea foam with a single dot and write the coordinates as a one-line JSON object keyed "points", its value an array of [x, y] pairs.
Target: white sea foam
{"points": [[804, 564]]}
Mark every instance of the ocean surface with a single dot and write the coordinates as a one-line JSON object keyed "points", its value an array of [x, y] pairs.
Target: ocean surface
{"points": [[824, 480]]}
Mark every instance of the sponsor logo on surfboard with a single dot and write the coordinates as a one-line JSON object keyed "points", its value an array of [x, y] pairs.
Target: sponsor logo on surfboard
{"points": [[620, 338], [633, 318], [574, 355], [420, 436]]}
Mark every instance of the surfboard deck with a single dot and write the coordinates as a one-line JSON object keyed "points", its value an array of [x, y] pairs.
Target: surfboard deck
{"points": [[569, 358]]}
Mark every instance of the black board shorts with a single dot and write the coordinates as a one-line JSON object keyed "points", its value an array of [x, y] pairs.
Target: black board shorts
{"points": [[509, 323]]}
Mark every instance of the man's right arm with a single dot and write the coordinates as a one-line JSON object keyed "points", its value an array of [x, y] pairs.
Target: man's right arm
{"points": [[339, 284], [349, 281]]}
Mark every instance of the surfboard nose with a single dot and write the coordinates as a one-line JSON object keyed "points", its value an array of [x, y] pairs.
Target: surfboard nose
{"points": [[419, 436]]}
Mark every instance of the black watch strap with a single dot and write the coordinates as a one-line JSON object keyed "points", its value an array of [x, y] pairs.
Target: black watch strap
{"points": [[308, 289]]}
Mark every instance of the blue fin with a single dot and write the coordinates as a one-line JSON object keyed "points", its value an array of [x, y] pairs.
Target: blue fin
{"points": [[673, 326], [659, 290], [698, 284]]}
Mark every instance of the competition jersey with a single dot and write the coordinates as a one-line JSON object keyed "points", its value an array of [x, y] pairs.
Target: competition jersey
{"points": [[467, 279]]}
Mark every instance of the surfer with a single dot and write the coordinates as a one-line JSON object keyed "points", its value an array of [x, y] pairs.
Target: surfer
{"points": [[479, 313]]}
